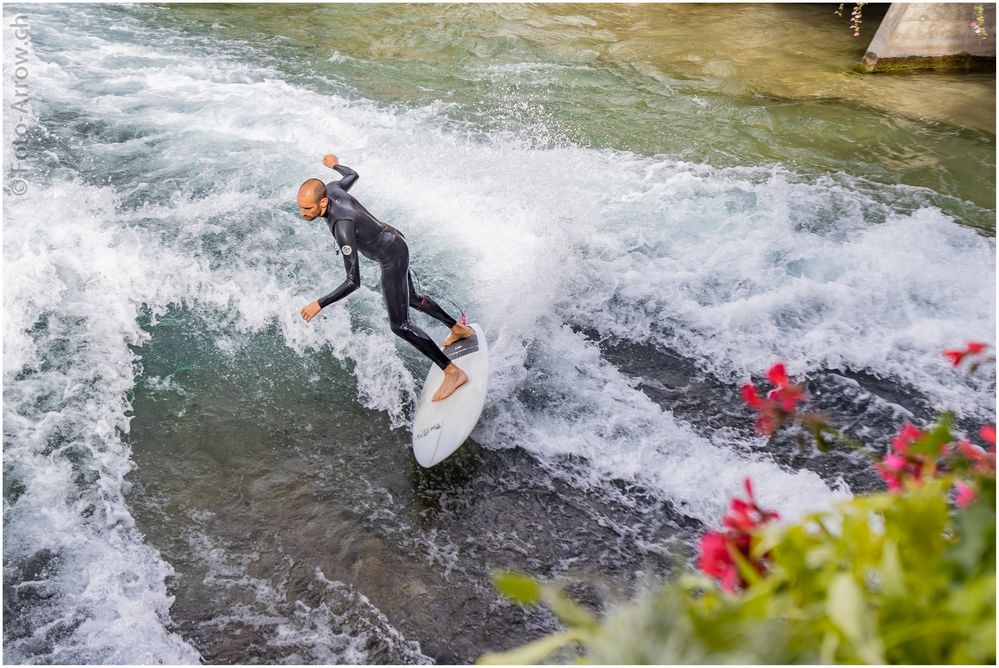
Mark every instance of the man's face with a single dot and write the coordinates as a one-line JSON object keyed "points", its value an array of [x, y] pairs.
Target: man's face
{"points": [[311, 209]]}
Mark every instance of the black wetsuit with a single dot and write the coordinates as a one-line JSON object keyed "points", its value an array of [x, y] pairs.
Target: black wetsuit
{"points": [[355, 230]]}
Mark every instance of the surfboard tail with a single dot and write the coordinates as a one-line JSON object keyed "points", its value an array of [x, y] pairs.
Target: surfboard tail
{"points": [[440, 427]]}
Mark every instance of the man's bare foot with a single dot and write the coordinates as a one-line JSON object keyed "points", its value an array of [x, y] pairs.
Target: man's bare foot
{"points": [[458, 332], [453, 379]]}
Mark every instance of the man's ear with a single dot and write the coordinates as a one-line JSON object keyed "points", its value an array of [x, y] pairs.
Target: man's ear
{"points": [[324, 202]]}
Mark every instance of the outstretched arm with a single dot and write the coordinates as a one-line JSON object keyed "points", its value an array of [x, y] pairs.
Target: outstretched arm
{"points": [[344, 234], [343, 231], [349, 175]]}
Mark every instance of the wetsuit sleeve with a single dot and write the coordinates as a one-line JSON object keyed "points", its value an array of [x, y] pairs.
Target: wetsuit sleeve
{"points": [[349, 177], [343, 233]]}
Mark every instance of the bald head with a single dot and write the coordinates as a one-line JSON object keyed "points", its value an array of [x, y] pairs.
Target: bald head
{"points": [[312, 199], [313, 189]]}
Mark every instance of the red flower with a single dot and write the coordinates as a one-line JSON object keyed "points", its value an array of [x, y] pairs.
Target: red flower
{"points": [[780, 403], [971, 348], [777, 375], [988, 434], [787, 397], [906, 437], [752, 397], [767, 424], [971, 451], [716, 560], [717, 548], [899, 464], [984, 461], [758, 516], [747, 517], [786, 393], [893, 481], [955, 356]]}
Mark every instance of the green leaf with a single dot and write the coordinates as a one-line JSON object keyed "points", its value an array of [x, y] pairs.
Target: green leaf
{"points": [[767, 538], [890, 569], [568, 612], [940, 434], [827, 651], [820, 440], [845, 606], [819, 556], [518, 587], [532, 652], [976, 525], [746, 569], [845, 609]]}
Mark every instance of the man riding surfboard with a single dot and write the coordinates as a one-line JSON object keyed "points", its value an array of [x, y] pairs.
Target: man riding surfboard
{"points": [[355, 231]]}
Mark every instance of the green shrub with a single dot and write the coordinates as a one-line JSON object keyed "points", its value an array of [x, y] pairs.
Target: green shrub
{"points": [[905, 577]]}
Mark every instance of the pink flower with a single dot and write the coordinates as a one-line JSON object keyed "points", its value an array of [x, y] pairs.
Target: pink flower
{"points": [[988, 434], [894, 462], [893, 481], [965, 494], [971, 451]]}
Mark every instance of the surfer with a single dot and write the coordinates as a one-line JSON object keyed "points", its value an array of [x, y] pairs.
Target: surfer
{"points": [[355, 231]]}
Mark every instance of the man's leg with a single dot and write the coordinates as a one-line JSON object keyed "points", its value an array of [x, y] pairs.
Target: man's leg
{"points": [[395, 288], [430, 307]]}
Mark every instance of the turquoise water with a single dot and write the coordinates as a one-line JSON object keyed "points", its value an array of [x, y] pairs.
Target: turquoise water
{"points": [[725, 84], [643, 205]]}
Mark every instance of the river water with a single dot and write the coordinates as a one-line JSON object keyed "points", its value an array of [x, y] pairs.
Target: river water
{"points": [[643, 205]]}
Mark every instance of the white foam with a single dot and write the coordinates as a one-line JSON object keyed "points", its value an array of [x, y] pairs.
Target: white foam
{"points": [[529, 72], [337, 57], [65, 388]]}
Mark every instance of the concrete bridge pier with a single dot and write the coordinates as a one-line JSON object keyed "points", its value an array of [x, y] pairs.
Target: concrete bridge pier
{"points": [[930, 35]]}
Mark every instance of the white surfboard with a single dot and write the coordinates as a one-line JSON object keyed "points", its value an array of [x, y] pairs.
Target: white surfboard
{"points": [[440, 427]]}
